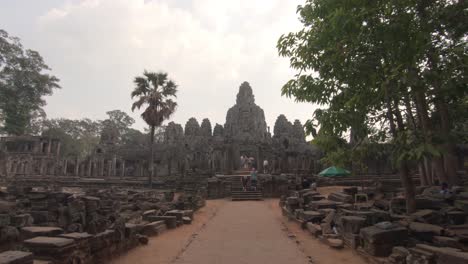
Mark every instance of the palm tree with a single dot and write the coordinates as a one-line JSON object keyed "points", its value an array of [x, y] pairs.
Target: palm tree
{"points": [[155, 92]]}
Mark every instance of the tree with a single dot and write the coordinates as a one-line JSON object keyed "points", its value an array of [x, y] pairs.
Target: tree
{"points": [[384, 70], [79, 137], [155, 92], [120, 121], [24, 81]]}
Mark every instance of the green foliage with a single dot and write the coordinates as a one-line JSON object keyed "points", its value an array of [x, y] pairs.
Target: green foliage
{"points": [[79, 137], [155, 91], [359, 60], [24, 81]]}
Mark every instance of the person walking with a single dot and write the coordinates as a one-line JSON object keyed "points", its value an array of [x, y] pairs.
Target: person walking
{"points": [[253, 178], [265, 166], [245, 181]]}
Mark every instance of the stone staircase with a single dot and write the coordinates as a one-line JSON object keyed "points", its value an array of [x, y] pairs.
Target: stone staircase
{"points": [[237, 194]]}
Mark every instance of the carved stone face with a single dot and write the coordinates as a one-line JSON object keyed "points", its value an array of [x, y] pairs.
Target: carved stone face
{"points": [[245, 95]]}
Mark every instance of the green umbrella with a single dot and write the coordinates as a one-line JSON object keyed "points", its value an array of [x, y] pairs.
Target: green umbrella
{"points": [[334, 171]]}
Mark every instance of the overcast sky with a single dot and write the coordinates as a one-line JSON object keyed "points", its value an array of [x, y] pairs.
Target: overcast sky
{"points": [[208, 47]]}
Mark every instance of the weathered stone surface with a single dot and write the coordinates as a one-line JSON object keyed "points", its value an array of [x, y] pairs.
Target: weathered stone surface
{"points": [[352, 224], [323, 204], [77, 236], [462, 205], [171, 221], [445, 255], [142, 239], [154, 228], [9, 234], [443, 241], [16, 257], [311, 216], [34, 231], [44, 244], [22, 220], [186, 220], [314, 229], [379, 242], [425, 232], [4, 220], [40, 217], [340, 197], [335, 243], [245, 121]]}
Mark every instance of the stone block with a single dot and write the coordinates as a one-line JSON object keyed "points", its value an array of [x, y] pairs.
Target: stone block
{"points": [[102, 240], [49, 246], [311, 216], [340, 197], [131, 230], [462, 205], [352, 224], [177, 213], [443, 255], [188, 213], [21, 220], [425, 232], [34, 231], [4, 220], [379, 242], [16, 257], [442, 241], [154, 228], [77, 236], [9, 234], [323, 204], [40, 217], [187, 220], [334, 242], [171, 221], [314, 229]]}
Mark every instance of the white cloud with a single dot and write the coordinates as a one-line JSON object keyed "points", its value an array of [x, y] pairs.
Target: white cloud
{"points": [[208, 47]]}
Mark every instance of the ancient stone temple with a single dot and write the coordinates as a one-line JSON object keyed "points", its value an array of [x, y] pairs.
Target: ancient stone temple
{"points": [[195, 148]]}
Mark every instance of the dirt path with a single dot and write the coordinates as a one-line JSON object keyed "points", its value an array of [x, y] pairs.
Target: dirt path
{"points": [[241, 233]]}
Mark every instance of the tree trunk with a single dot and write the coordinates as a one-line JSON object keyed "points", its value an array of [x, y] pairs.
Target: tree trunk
{"points": [[450, 159], [403, 169], [437, 162], [151, 162], [423, 174]]}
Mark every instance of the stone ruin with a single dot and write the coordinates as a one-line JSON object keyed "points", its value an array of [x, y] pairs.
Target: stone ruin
{"points": [[86, 225], [197, 149], [374, 222]]}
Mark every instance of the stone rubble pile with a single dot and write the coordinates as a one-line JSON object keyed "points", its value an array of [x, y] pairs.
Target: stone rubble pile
{"points": [[89, 227], [379, 228]]}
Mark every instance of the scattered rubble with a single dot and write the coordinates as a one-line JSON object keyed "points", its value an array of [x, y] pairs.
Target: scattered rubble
{"points": [[380, 228], [88, 227]]}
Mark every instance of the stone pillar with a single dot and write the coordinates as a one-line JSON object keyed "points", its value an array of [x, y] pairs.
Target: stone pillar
{"points": [[114, 166], [57, 148], [101, 168], [49, 145], [122, 171], [89, 169], [109, 168], [41, 168], [77, 167], [65, 165]]}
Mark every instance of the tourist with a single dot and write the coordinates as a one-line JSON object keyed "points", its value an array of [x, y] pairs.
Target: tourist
{"points": [[245, 180], [444, 189], [253, 178], [265, 166], [313, 186], [305, 183]]}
